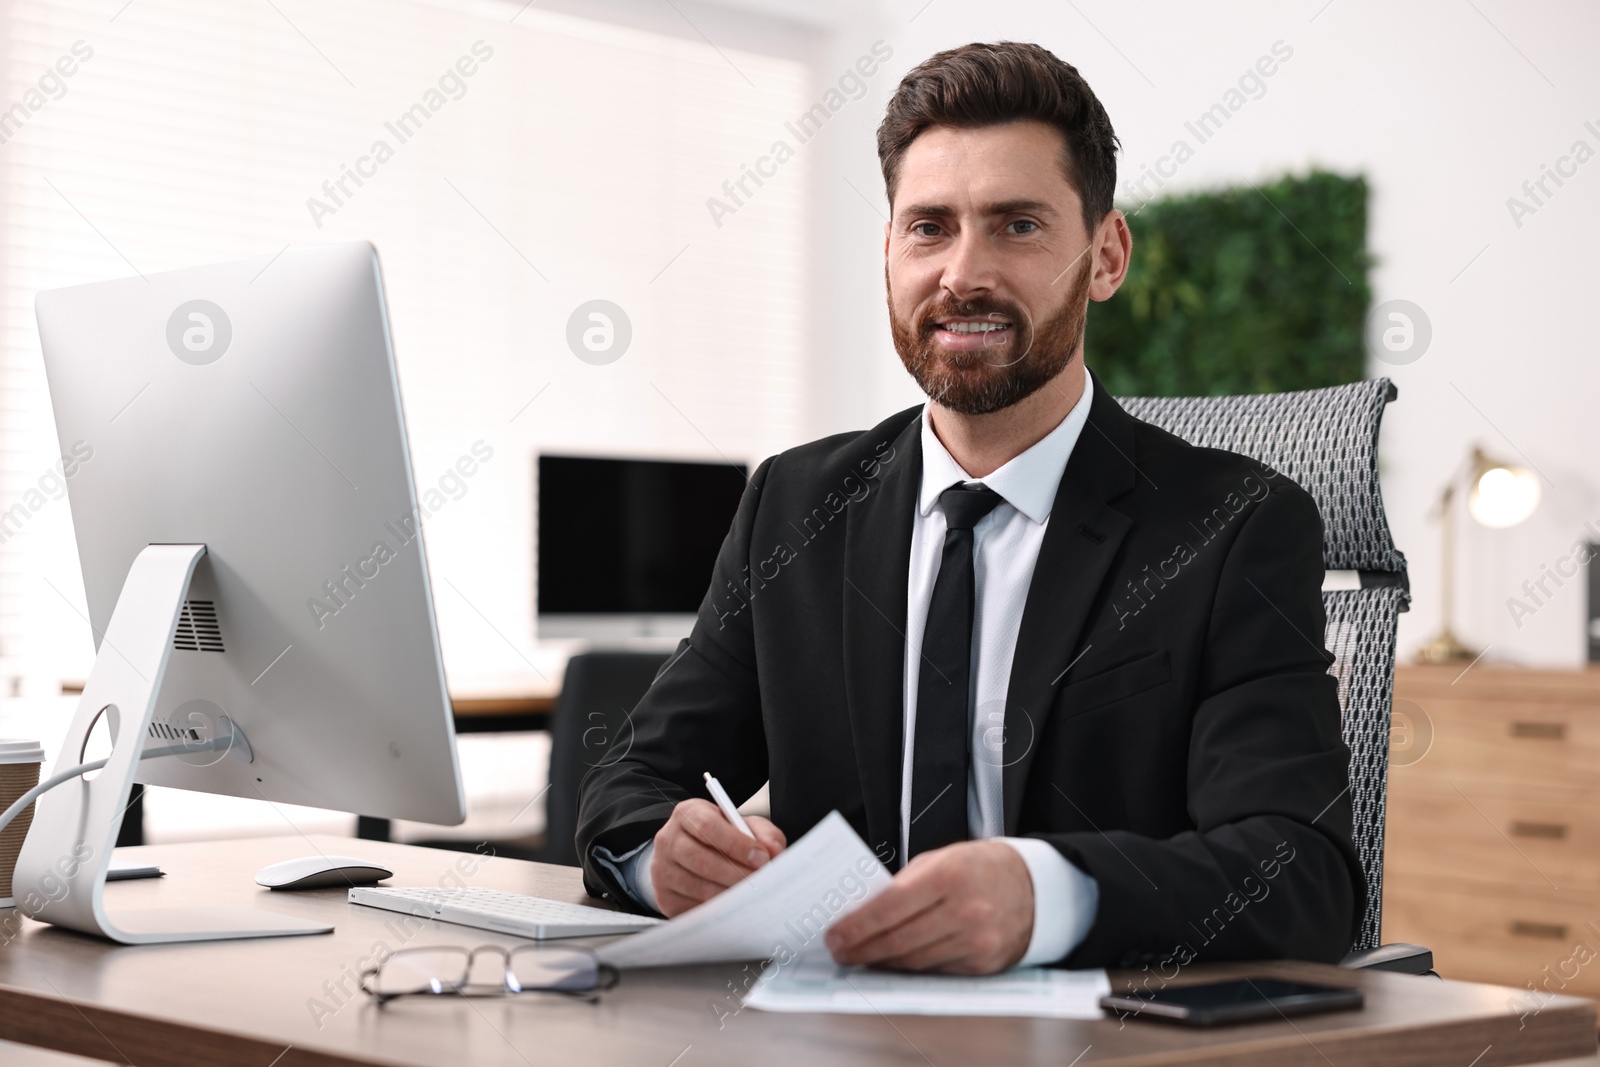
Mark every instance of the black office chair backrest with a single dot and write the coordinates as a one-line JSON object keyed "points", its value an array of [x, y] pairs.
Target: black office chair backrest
{"points": [[592, 724], [1327, 441]]}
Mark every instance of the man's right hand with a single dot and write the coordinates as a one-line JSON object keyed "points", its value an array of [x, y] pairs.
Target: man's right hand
{"points": [[699, 853]]}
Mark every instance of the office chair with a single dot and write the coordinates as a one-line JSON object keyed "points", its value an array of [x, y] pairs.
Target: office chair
{"points": [[1327, 441], [591, 725]]}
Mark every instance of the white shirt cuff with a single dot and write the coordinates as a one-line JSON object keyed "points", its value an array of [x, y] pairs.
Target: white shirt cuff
{"points": [[1065, 901], [632, 869]]}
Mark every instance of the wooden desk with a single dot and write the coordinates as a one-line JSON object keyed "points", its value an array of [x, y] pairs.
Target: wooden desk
{"points": [[257, 1002], [502, 714]]}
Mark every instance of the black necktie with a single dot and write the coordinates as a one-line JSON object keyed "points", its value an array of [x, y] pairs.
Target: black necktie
{"points": [[941, 749]]}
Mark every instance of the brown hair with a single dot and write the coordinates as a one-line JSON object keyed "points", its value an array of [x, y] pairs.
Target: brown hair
{"points": [[980, 85]]}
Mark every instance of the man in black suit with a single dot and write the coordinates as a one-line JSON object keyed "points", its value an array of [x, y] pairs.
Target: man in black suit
{"points": [[1059, 669]]}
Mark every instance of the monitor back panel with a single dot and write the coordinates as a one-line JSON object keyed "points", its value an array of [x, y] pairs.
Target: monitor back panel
{"points": [[254, 407]]}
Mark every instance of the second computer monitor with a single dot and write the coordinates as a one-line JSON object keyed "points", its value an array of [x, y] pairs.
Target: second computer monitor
{"points": [[626, 546]]}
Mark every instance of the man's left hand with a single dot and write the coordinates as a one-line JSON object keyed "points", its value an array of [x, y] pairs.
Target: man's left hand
{"points": [[966, 908]]}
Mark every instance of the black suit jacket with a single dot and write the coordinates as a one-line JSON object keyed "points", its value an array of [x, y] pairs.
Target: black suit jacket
{"points": [[1170, 725]]}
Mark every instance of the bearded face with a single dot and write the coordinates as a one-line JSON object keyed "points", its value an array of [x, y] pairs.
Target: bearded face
{"points": [[986, 353]]}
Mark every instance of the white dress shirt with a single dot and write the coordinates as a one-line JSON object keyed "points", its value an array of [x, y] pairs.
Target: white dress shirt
{"points": [[1005, 547]]}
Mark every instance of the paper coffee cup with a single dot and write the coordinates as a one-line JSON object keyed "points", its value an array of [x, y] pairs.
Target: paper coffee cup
{"points": [[19, 772]]}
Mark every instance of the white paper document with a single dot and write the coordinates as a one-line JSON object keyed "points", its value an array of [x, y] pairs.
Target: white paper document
{"points": [[814, 983], [776, 913]]}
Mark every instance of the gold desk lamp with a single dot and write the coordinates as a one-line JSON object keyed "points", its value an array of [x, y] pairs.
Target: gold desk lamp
{"points": [[1502, 495]]}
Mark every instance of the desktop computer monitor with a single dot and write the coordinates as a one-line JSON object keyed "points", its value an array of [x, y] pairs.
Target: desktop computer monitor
{"points": [[626, 546], [251, 551]]}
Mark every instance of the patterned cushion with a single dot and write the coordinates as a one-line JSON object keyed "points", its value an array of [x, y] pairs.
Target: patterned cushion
{"points": [[1325, 439]]}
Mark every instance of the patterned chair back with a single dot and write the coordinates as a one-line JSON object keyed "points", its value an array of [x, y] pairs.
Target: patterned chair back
{"points": [[1327, 441]]}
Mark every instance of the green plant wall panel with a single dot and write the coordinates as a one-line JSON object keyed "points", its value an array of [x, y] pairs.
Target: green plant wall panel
{"points": [[1240, 291]]}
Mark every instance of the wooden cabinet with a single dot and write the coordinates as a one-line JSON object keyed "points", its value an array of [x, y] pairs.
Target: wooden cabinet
{"points": [[1492, 857]]}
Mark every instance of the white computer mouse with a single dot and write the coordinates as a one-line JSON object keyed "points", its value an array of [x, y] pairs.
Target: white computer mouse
{"points": [[322, 872]]}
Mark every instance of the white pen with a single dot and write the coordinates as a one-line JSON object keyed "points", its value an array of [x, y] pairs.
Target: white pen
{"points": [[720, 795]]}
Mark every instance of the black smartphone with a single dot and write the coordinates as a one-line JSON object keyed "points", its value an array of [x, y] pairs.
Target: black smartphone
{"points": [[1236, 1000]]}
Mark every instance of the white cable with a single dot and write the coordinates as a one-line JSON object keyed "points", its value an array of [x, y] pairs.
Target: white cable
{"points": [[85, 768]]}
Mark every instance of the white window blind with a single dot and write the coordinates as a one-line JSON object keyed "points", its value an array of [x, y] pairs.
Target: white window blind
{"points": [[573, 163]]}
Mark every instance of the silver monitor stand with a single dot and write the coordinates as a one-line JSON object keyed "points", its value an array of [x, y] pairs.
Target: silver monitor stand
{"points": [[61, 873]]}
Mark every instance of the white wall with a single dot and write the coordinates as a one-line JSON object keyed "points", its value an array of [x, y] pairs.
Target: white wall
{"points": [[1447, 108]]}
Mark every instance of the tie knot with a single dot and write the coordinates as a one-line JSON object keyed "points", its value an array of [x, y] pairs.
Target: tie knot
{"points": [[965, 506]]}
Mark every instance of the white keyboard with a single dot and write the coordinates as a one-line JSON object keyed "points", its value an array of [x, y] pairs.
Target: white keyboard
{"points": [[504, 913]]}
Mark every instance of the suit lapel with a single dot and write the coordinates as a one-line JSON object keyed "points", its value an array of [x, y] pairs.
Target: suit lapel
{"points": [[876, 562], [1079, 546]]}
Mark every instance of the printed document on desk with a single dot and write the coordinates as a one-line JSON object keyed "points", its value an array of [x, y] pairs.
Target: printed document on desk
{"points": [[814, 983], [776, 913]]}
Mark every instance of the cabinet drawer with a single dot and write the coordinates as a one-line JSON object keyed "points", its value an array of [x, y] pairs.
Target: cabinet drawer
{"points": [[1508, 937], [1541, 837], [1507, 741]]}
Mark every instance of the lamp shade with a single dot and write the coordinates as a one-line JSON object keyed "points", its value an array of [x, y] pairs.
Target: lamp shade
{"points": [[1502, 495]]}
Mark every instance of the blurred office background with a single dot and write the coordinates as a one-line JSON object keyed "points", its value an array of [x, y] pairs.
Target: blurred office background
{"points": [[569, 152]]}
